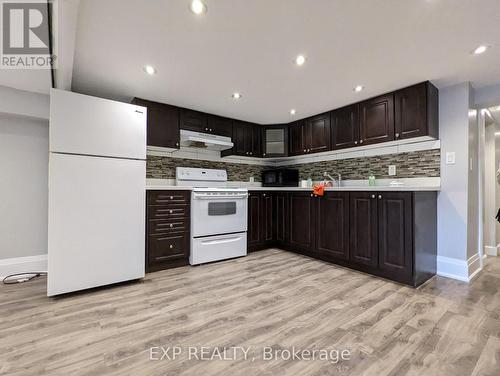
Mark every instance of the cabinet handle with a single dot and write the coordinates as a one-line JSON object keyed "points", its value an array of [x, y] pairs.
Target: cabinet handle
{"points": [[373, 196], [171, 211], [305, 150], [171, 246], [311, 194], [264, 154], [206, 128], [360, 141], [263, 195], [250, 153], [397, 135], [171, 197], [176, 144], [210, 129], [171, 225], [355, 142], [308, 150], [380, 197]]}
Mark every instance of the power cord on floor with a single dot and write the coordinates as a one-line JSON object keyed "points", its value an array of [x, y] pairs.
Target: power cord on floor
{"points": [[24, 277]]}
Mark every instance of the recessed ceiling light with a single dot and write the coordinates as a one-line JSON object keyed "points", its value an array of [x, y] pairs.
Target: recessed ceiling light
{"points": [[149, 69], [300, 60], [481, 49], [292, 111], [236, 96], [358, 88], [198, 7]]}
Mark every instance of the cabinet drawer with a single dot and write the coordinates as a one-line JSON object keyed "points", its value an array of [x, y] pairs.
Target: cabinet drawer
{"points": [[162, 226], [168, 197], [168, 212], [165, 248]]}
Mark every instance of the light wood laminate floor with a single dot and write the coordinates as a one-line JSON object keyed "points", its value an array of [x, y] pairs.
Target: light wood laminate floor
{"points": [[270, 298]]}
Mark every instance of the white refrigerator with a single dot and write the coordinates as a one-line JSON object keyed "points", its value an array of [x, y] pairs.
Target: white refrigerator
{"points": [[97, 178]]}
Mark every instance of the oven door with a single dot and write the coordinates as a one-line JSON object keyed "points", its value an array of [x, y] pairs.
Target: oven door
{"points": [[218, 213]]}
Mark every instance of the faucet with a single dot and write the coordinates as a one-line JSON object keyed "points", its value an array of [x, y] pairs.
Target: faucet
{"points": [[339, 178]]}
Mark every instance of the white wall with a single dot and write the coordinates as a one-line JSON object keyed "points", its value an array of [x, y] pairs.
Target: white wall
{"points": [[24, 145], [24, 149], [453, 197], [473, 181]]}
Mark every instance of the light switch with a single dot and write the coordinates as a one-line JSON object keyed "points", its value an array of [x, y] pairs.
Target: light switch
{"points": [[450, 157], [392, 170]]}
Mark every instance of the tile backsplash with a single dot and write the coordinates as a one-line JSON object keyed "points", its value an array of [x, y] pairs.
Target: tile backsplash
{"points": [[425, 163]]}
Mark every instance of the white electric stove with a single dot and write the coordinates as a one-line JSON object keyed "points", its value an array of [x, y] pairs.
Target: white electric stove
{"points": [[218, 215]]}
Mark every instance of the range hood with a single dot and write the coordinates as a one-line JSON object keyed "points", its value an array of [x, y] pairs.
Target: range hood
{"points": [[205, 140]]}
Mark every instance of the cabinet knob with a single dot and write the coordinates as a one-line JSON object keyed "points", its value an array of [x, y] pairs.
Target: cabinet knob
{"points": [[171, 197], [379, 197], [308, 150], [206, 128], [355, 142], [210, 129], [171, 211], [171, 246], [360, 141], [171, 225], [250, 153], [176, 144], [305, 150], [312, 195], [373, 196], [397, 135], [264, 154], [263, 195]]}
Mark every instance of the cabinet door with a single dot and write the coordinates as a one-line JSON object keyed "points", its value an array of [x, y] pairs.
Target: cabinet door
{"points": [[220, 126], [275, 141], [318, 137], [240, 138], [345, 127], [194, 120], [296, 138], [301, 222], [267, 229], [395, 234], [332, 225], [363, 228], [377, 120], [281, 218], [411, 112], [254, 216], [163, 124], [255, 145]]}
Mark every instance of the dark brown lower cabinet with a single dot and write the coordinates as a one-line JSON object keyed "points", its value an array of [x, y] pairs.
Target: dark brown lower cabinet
{"points": [[332, 225], [301, 222], [167, 229], [363, 228], [388, 234]]}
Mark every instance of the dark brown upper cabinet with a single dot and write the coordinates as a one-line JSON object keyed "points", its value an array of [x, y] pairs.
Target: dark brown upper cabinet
{"points": [[296, 138], [318, 133], [194, 120], [219, 125], [162, 124], [345, 127], [246, 139], [274, 141], [416, 111], [377, 120]]}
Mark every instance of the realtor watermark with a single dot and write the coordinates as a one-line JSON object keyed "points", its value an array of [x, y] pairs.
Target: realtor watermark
{"points": [[26, 34], [249, 353]]}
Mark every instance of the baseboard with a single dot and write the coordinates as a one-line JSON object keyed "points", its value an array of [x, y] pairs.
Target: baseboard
{"points": [[23, 265], [461, 270], [490, 251]]}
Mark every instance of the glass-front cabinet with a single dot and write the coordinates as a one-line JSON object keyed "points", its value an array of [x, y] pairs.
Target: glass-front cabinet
{"points": [[275, 139]]}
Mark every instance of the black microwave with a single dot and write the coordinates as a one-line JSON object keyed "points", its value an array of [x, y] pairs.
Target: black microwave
{"points": [[280, 178]]}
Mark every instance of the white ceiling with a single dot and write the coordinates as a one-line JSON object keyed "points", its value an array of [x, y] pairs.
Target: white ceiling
{"points": [[248, 46]]}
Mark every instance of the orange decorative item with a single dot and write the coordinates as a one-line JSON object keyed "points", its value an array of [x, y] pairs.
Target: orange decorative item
{"points": [[319, 189]]}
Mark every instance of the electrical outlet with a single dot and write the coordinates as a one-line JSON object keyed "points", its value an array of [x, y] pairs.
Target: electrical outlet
{"points": [[392, 170]]}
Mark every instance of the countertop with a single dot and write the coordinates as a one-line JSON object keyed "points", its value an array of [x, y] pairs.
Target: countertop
{"points": [[408, 185]]}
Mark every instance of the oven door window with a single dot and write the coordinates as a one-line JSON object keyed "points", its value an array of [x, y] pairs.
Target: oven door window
{"points": [[221, 208]]}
